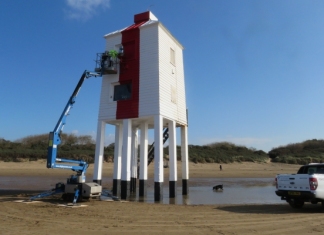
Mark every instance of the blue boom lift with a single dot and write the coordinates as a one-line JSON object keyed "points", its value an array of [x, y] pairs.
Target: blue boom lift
{"points": [[75, 188]]}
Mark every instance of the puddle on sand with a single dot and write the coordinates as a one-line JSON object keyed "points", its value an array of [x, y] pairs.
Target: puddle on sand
{"points": [[236, 190], [29, 182], [206, 196]]}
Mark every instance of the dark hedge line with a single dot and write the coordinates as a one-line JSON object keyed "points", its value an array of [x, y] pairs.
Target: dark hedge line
{"points": [[35, 147], [309, 151], [83, 147], [225, 152]]}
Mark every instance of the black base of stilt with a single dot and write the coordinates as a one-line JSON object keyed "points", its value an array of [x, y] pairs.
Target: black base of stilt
{"points": [[97, 181], [142, 188], [172, 201], [116, 187], [124, 189], [173, 189], [158, 191], [185, 189], [133, 185]]}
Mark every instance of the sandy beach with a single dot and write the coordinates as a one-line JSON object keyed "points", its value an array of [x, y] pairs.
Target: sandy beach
{"points": [[116, 217]]}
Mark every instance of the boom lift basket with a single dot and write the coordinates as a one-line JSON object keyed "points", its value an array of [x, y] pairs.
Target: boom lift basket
{"points": [[107, 62]]}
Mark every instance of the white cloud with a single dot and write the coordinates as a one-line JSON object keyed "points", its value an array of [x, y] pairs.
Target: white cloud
{"points": [[85, 9], [109, 139], [75, 132]]}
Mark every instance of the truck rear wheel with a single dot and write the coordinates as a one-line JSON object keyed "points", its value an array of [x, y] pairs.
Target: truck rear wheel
{"points": [[295, 203], [322, 205]]}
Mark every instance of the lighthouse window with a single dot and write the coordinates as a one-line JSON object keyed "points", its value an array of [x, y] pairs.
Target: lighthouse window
{"points": [[172, 56], [122, 92]]}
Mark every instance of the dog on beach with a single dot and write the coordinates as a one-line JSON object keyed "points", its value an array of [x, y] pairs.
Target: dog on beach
{"points": [[218, 187]]}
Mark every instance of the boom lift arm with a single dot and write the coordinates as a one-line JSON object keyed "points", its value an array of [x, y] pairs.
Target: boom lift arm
{"points": [[78, 166]]}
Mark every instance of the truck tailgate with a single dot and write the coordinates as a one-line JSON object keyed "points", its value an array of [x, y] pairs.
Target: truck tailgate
{"points": [[298, 182]]}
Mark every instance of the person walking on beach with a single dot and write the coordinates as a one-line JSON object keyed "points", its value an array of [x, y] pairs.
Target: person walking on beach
{"points": [[220, 167]]}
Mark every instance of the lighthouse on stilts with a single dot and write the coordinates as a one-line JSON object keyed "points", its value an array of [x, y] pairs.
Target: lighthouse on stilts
{"points": [[143, 88]]}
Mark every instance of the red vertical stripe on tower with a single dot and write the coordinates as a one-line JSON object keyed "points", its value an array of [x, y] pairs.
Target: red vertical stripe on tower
{"points": [[129, 68]]}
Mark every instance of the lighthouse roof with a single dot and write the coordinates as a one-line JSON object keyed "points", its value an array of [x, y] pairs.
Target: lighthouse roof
{"points": [[144, 19], [147, 17]]}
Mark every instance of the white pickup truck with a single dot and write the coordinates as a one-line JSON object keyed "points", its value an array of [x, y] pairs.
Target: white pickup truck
{"points": [[305, 186]]}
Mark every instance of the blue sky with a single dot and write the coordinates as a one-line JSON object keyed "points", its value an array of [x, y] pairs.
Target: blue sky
{"points": [[253, 69]]}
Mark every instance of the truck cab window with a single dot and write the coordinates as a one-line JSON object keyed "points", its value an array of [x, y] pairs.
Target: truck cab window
{"points": [[311, 170], [301, 170]]}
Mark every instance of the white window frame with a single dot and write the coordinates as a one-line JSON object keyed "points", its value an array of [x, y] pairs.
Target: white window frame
{"points": [[172, 56]]}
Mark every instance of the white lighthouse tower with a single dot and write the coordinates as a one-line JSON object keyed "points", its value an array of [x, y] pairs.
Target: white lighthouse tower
{"points": [[143, 88]]}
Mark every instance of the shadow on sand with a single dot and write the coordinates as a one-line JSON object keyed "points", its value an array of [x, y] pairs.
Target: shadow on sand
{"points": [[271, 209], [13, 195]]}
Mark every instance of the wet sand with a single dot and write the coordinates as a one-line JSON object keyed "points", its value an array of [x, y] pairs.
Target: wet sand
{"points": [[99, 217]]}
